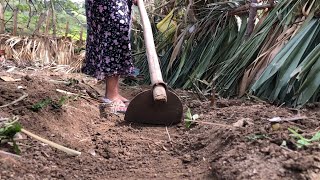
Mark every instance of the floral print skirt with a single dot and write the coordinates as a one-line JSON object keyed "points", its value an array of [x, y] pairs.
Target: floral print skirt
{"points": [[108, 48]]}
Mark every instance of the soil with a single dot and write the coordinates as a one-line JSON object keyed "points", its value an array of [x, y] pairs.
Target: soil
{"points": [[212, 148]]}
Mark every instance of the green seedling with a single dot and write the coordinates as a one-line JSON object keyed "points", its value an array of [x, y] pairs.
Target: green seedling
{"points": [[190, 118], [302, 141], [40, 105], [60, 103], [44, 103], [8, 131], [255, 137]]}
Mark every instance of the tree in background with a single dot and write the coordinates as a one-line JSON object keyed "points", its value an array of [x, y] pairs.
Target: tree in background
{"points": [[36, 17]]}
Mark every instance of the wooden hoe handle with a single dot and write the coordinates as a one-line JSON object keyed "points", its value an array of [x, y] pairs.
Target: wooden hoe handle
{"points": [[159, 87]]}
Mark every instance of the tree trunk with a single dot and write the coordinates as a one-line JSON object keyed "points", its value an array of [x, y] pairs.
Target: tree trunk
{"points": [[53, 14], [48, 23], [67, 29], [2, 25], [15, 22], [42, 18], [30, 15]]}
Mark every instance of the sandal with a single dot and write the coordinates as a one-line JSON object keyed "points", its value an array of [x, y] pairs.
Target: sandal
{"points": [[106, 100], [126, 103], [113, 107]]}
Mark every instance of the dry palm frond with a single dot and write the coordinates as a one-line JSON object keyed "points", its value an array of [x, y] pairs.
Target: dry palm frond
{"points": [[209, 45], [276, 42], [76, 65], [42, 49]]}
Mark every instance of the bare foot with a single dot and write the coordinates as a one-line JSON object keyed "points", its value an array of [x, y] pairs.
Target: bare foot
{"points": [[124, 99], [118, 99]]}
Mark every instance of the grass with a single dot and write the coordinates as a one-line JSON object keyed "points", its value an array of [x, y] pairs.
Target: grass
{"points": [[48, 101], [8, 129], [41, 104]]}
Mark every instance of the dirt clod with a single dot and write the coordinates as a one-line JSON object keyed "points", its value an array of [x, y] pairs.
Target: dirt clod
{"points": [[243, 122], [186, 158]]}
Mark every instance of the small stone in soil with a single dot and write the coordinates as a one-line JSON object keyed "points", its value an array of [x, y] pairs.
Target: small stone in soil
{"points": [[92, 152], [108, 153], [186, 158], [28, 78], [243, 122]]}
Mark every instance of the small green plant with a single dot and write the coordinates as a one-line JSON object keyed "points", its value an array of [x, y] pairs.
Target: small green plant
{"points": [[254, 137], [60, 103], [8, 129], [48, 101], [190, 119], [41, 104], [302, 141]]}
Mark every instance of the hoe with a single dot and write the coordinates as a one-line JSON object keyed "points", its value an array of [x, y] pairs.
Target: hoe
{"points": [[157, 106]]}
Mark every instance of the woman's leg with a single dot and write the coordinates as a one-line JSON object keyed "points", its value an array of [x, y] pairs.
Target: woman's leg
{"points": [[112, 89], [113, 98]]}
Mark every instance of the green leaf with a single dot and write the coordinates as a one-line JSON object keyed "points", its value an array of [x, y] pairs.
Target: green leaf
{"points": [[316, 137], [188, 123], [16, 148], [293, 60], [281, 58], [296, 134], [311, 84], [189, 118], [41, 104], [188, 114], [10, 130], [302, 142], [60, 103], [214, 51]]}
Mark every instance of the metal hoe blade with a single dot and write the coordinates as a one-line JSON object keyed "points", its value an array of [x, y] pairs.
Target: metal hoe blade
{"points": [[143, 109]]}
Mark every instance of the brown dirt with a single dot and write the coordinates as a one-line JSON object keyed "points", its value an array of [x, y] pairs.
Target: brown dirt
{"points": [[114, 149]]}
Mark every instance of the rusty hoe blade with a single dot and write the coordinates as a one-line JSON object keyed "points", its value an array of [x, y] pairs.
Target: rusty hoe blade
{"points": [[144, 109]]}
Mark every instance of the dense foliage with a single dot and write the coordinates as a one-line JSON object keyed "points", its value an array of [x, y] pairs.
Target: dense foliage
{"points": [[269, 49]]}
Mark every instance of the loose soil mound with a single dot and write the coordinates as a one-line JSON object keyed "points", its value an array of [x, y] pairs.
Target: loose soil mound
{"points": [[114, 149]]}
